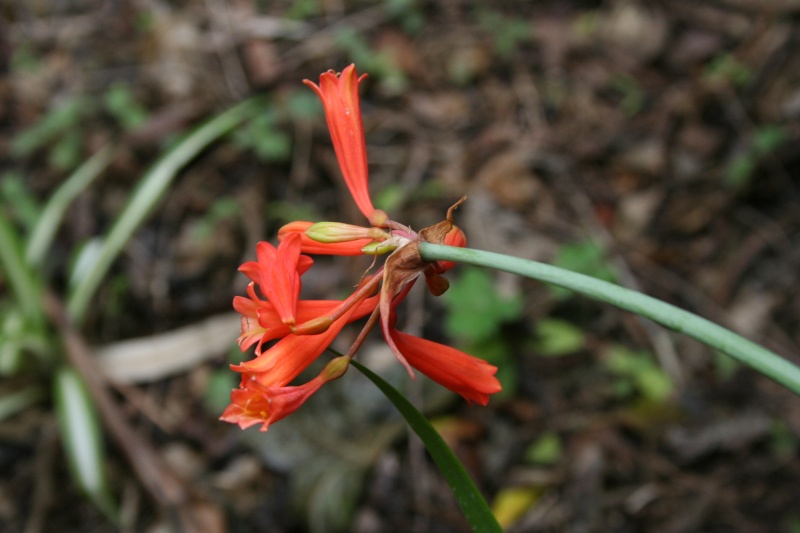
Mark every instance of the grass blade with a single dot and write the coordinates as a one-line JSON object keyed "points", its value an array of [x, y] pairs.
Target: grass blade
{"points": [[469, 498], [53, 214], [82, 439], [23, 283], [149, 192]]}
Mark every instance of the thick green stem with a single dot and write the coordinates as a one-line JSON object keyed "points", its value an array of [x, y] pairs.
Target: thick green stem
{"points": [[768, 363]]}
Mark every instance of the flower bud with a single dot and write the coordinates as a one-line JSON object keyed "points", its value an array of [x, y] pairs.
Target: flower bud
{"points": [[335, 368], [378, 218], [378, 248], [315, 326], [330, 232]]}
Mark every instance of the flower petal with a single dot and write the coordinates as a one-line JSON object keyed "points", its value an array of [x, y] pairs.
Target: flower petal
{"points": [[469, 376], [339, 95], [257, 404]]}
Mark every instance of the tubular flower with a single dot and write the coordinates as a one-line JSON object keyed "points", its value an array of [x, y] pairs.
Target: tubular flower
{"points": [[339, 95], [298, 331], [255, 403]]}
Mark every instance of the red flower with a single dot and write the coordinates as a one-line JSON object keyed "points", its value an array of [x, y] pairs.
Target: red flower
{"points": [[304, 329], [256, 403], [339, 95], [462, 373], [277, 273]]}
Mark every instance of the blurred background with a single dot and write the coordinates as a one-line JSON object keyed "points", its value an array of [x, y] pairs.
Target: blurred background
{"points": [[147, 146]]}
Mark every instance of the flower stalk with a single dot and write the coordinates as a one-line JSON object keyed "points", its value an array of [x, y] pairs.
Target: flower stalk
{"points": [[751, 354]]}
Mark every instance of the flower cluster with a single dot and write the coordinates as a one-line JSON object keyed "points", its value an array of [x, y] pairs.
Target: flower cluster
{"points": [[299, 331]]}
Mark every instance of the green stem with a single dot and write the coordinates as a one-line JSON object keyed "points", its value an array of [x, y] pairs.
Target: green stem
{"points": [[768, 363], [469, 498]]}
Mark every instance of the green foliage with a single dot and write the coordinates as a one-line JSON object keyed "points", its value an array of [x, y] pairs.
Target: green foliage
{"points": [[637, 374], [475, 314], [555, 337], [724, 366], [303, 105], [741, 169], [546, 450], [283, 212], [17, 200], [120, 102], [218, 390], [467, 494], [633, 95], [222, 210], [25, 242], [784, 443], [584, 257], [80, 430], [24, 59], [58, 131], [379, 64], [262, 135], [304, 9], [727, 69], [475, 309], [409, 14], [507, 32]]}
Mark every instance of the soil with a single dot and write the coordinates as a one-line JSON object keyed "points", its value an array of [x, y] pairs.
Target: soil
{"points": [[651, 143]]}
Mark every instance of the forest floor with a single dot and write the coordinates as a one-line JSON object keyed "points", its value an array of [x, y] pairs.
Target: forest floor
{"points": [[653, 144]]}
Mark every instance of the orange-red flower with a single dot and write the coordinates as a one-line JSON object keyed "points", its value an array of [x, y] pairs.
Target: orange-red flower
{"points": [[256, 403], [303, 329], [339, 95]]}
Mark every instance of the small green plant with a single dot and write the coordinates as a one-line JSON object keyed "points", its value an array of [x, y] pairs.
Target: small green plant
{"points": [[381, 63], [545, 451], [507, 32], [32, 347], [476, 313], [555, 337], [58, 132], [122, 105], [263, 135], [585, 257], [766, 139], [633, 96], [637, 374], [725, 68]]}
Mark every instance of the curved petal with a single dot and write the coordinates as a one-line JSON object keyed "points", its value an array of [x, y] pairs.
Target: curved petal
{"points": [[339, 95], [469, 376], [257, 404]]}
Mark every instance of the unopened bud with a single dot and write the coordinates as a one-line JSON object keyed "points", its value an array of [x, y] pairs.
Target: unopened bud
{"points": [[378, 248], [335, 368], [315, 326], [330, 232], [378, 218]]}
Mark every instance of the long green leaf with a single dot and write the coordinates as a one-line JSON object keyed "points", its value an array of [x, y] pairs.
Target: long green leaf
{"points": [[24, 284], [79, 426], [53, 214], [768, 363], [149, 192], [469, 498]]}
